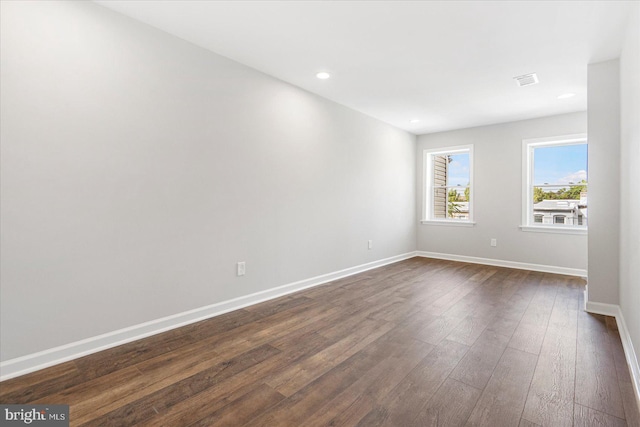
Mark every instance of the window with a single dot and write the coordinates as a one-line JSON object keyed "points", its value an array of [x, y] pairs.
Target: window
{"points": [[555, 184], [558, 219], [449, 185]]}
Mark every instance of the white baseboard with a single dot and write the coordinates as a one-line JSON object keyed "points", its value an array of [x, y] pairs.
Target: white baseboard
{"points": [[32, 362], [629, 352], [508, 264], [601, 308]]}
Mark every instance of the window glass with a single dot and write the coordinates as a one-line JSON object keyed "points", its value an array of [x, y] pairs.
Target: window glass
{"points": [[558, 182], [449, 189], [558, 219]]}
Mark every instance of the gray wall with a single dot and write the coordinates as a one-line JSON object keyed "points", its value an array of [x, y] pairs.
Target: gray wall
{"points": [[604, 180], [630, 179], [137, 169], [498, 196]]}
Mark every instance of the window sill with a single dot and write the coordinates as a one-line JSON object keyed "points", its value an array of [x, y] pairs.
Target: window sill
{"points": [[554, 230], [453, 223]]}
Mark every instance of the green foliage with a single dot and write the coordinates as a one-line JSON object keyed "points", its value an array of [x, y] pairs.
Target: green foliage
{"points": [[452, 208], [571, 193]]}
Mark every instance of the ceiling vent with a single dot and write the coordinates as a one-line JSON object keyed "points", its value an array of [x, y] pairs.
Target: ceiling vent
{"points": [[526, 80]]}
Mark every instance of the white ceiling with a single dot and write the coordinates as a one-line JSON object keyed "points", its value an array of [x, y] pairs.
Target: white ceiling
{"points": [[448, 63]]}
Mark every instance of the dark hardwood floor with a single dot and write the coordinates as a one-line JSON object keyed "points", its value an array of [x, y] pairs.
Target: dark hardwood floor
{"points": [[422, 342]]}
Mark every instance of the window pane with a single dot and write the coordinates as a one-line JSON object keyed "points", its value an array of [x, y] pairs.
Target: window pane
{"points": [[560, 185], [458, 170], [569, 202], [449, 182], [560, 164], [458, 203]]}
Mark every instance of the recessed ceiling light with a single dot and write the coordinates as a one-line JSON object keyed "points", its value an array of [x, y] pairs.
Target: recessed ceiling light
{"points": [[323, 75], [414, 121], [566, 95]]}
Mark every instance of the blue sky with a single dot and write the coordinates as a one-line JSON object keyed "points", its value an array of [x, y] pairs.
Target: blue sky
{"points": [[459, 169], [560, 165], [553, 165]]}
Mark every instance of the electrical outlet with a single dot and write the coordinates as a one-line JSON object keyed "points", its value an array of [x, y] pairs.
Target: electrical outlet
{"points": [[494, 242], [370, 244], [240, 268]]}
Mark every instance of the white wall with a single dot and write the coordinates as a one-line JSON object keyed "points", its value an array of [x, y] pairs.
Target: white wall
{"points": [[630, 179], [498, 196], [604, 181], [137, 169]]}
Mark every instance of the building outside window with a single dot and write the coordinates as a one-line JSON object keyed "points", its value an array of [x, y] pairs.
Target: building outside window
{"points": [[449, 185], [555, 182]]}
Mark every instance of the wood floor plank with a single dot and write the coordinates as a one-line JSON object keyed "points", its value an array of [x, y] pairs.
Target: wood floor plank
{"points": [[551, 395], [298, 408], [263, 331], [40, 389], [629, 401], [411, 394], [293, 379], [456, 294], [306, 346], [10, 389], [516, 305], [471, 327], [399, 310], [503, 398], [437, 330], [596, 378], [178, 364], [149, 406], [527, 423], [529, 334], [376, 417], [350, 319], [477, 366], [587, 417], [564, 317], [590, 321], [157, 374], [528, 338], [418, 342], [503, 326], [269, 308], [443, 410], [322, 323], [138, 351], [348, 407], [95, 387], [243, 409], [231, 388], [217, 325]]}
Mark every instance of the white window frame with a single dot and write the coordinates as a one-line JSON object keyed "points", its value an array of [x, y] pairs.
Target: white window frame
{"points": [[427, 181], [528, 145]]}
